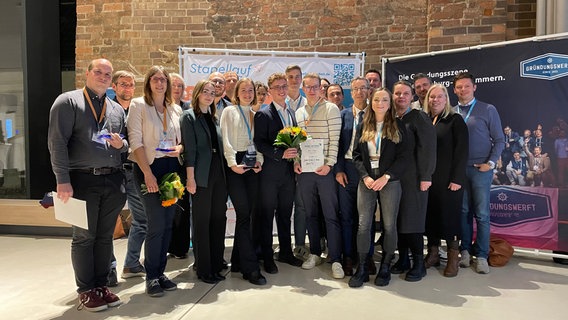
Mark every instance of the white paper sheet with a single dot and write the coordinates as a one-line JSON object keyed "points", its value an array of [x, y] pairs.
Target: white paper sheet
{"points": [[312, 155], [73, 212]]}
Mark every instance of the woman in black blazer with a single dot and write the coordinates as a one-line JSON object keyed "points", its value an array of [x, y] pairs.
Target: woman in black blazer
{"points": [[380, 157], [446, 194], [203, 159]]}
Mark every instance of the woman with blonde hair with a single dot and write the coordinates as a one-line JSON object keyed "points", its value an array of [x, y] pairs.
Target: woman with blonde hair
{"points": [[446, 193], [380, 156]]}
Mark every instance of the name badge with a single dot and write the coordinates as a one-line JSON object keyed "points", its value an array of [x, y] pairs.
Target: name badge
{"points": [[374, 164]]}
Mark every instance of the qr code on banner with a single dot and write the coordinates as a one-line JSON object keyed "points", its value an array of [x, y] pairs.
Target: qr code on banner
{"points": [[343, 73]]}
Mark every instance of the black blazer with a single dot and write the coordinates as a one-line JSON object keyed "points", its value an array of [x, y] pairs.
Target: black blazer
{"points": [[197, 145], [394, 156], [267, 123], [345, 136]]}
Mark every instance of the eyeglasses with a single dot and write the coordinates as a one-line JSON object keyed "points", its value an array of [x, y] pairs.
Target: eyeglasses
{"points": [[218, 81], [360, 89], [125, 85], [180, 86], [310, 88], [278, 88], [207, 92], [158, 79]]}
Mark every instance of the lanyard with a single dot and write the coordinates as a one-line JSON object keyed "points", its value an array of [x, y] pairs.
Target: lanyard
{"points": [[379, 140], [164, 120], [286, 123], [246, 122], [93, 108], [314, 110], [435, 120], [297, 105], [405, 112], [470, 109]]}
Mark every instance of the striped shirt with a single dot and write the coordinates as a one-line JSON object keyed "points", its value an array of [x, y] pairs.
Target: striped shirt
{"points": [[324, 124]]}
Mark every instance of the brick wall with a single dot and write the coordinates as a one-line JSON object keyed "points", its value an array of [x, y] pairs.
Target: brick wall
{"points": [[135, 34]]}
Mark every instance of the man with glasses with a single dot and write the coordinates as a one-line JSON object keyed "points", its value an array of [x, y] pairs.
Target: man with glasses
{"points": [[277, 179], [322, 121], [124, 86], [347, 175], [86, 140], [220, 101]]}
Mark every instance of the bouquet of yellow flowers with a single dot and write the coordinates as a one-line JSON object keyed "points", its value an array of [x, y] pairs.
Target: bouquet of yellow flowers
{"points": [[291, 137], [171, 189]]}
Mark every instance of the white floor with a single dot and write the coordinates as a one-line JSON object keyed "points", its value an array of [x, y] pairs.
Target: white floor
{"points": [[37, 283]]}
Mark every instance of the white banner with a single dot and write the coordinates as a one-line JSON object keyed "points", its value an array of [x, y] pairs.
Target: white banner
{"points": [[341, 70]]}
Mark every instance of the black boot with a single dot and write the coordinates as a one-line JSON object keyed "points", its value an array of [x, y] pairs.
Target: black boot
{"points": [[362, 274], [384, 275], [418, 270], [403, 263]]}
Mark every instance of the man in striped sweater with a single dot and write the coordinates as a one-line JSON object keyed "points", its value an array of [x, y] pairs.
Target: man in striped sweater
{"points": [[321, 120]]}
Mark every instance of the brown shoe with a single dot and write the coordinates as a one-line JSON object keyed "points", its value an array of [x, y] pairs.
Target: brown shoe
{"points": [[432, 258], [453, 264], [348, 266]]}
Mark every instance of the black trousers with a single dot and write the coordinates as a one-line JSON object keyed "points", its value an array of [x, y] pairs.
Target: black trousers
{"points": [[91, 249], [209, 220], [243, 190], [276, 199], [181, 229]]}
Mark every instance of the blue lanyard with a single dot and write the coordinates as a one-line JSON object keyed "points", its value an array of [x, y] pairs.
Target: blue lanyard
{"points": [[246, 122], [297, 105], [470, 109], [379, 140], [284, 122]]}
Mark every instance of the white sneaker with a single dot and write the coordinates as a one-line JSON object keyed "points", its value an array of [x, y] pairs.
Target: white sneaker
{"points": [[301, 252], [337, 271], [465, 259], [443, 253], [312, 261], [482, 266]]}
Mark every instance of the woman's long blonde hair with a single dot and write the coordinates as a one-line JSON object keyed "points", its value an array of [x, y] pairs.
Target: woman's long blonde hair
{"points": [[390, 127]]}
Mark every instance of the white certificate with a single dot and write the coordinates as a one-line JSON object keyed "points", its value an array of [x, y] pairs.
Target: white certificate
{"points": [[73, 212], [312, 154]]}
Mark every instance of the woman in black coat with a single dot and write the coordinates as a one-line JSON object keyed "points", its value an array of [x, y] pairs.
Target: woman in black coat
{"points": [[446, 193], [203, 159]]}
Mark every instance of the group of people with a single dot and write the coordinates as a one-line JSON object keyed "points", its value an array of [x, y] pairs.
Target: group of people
{"points": [[426, 168], [532, 159]]}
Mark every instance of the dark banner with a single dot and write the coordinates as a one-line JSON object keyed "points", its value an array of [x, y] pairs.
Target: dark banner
{"points": [[528, 84]]}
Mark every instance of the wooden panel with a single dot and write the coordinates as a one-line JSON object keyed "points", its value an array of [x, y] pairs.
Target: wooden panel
{"points": [[27, 213]]}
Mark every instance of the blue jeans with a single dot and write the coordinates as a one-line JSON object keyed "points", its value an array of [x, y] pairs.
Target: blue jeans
{"points": [[476, 197], [160, 220], [139, 224], [389, 200]]}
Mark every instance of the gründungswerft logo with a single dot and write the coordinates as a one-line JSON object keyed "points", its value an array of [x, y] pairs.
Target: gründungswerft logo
{"points": [[548, 66]]}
